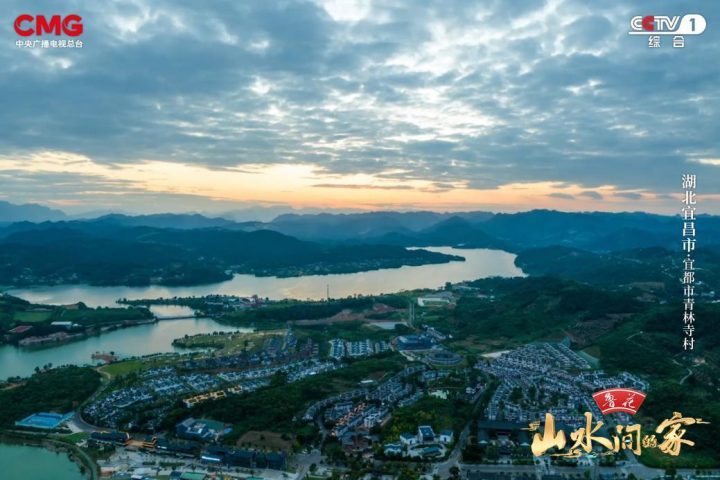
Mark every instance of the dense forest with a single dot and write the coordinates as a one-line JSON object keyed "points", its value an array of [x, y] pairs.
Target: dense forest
{"points": [[58, 390], [49, 254], [655, 268]]}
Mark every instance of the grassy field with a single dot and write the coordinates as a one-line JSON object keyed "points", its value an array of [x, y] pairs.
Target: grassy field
{"points": [[229, 343], [74, 437], [32, 317], [123, 368]]}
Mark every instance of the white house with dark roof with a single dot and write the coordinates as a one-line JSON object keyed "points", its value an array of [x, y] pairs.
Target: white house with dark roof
{"points": [[447, 436], [408, 439]]}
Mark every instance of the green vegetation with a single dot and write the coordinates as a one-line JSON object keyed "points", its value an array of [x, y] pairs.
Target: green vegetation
{"points": [[276, 407], [657, 353], [102, 315], [278, 313], [9, 307], [227, 343], [624, 333], [59, 390], [15, 311], [653, 269], [123, 368], [117, 255], [436, 412], [32, 316], [73, 438], [513, 312]]}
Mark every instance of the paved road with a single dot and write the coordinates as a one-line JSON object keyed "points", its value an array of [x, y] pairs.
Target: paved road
{"points": [[304, 460], [443, 468]]}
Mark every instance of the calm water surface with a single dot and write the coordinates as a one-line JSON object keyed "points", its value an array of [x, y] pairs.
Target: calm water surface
{"points": [[155, 338], [126, 342], [19, 462], [480, 263]]}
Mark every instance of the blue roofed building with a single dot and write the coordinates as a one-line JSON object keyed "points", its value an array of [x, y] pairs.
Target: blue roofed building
{"points": [[44, 421]]}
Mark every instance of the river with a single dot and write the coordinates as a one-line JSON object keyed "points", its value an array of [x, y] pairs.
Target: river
{"points": [[156, 338], [34, 463], [479, 263]]}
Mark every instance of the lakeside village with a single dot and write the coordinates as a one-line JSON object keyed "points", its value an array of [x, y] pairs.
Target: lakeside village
{"points": [[434, 410]]}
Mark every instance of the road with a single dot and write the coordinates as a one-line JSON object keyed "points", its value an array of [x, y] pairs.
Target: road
{"points": [[305, 460], [443, 468]]}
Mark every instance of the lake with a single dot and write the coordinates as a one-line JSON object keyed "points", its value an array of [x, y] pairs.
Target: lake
{"points": [[34, 463], [126, 342], [157, 338], [479, 263]]}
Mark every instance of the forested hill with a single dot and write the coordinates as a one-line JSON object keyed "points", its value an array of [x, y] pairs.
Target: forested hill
{"points": [[654, 268], [117, 255]]}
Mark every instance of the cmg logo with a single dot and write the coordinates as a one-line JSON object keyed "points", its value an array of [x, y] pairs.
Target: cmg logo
{"points": [[70, 25]]}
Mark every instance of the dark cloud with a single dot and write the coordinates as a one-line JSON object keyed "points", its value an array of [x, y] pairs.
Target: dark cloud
{"points": [[591, 194], [630, 195], [475, 92], [563, 196]]}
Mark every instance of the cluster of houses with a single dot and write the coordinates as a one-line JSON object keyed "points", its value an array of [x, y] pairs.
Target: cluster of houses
{"points": [[387, 392], [110, 410], [172, 384], [192, 436], [340, 348], [317, 407], [164, 385], [275, 352], [425, 444], [362, 415], [352, 415], [251, 380], [548, 378]]}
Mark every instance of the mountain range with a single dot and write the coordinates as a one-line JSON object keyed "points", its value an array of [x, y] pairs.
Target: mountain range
{"points": [[193, 248], [592, 231], [29, 212]]}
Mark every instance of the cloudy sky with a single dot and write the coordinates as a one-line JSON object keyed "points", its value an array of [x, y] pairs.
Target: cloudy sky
{"points": [[359, 105]]}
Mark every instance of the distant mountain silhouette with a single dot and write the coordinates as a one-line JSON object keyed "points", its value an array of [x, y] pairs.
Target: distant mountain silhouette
{"points": [[166, 220], [29, 212]]}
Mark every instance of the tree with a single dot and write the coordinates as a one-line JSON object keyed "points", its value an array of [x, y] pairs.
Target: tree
{"points": [[279, 379]]}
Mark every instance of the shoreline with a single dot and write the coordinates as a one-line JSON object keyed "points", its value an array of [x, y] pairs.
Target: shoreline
{"points": [[260, 273], [88, 467], [94, 331]]}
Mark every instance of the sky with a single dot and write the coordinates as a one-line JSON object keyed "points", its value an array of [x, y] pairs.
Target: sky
{"points": [[359, 105]]}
